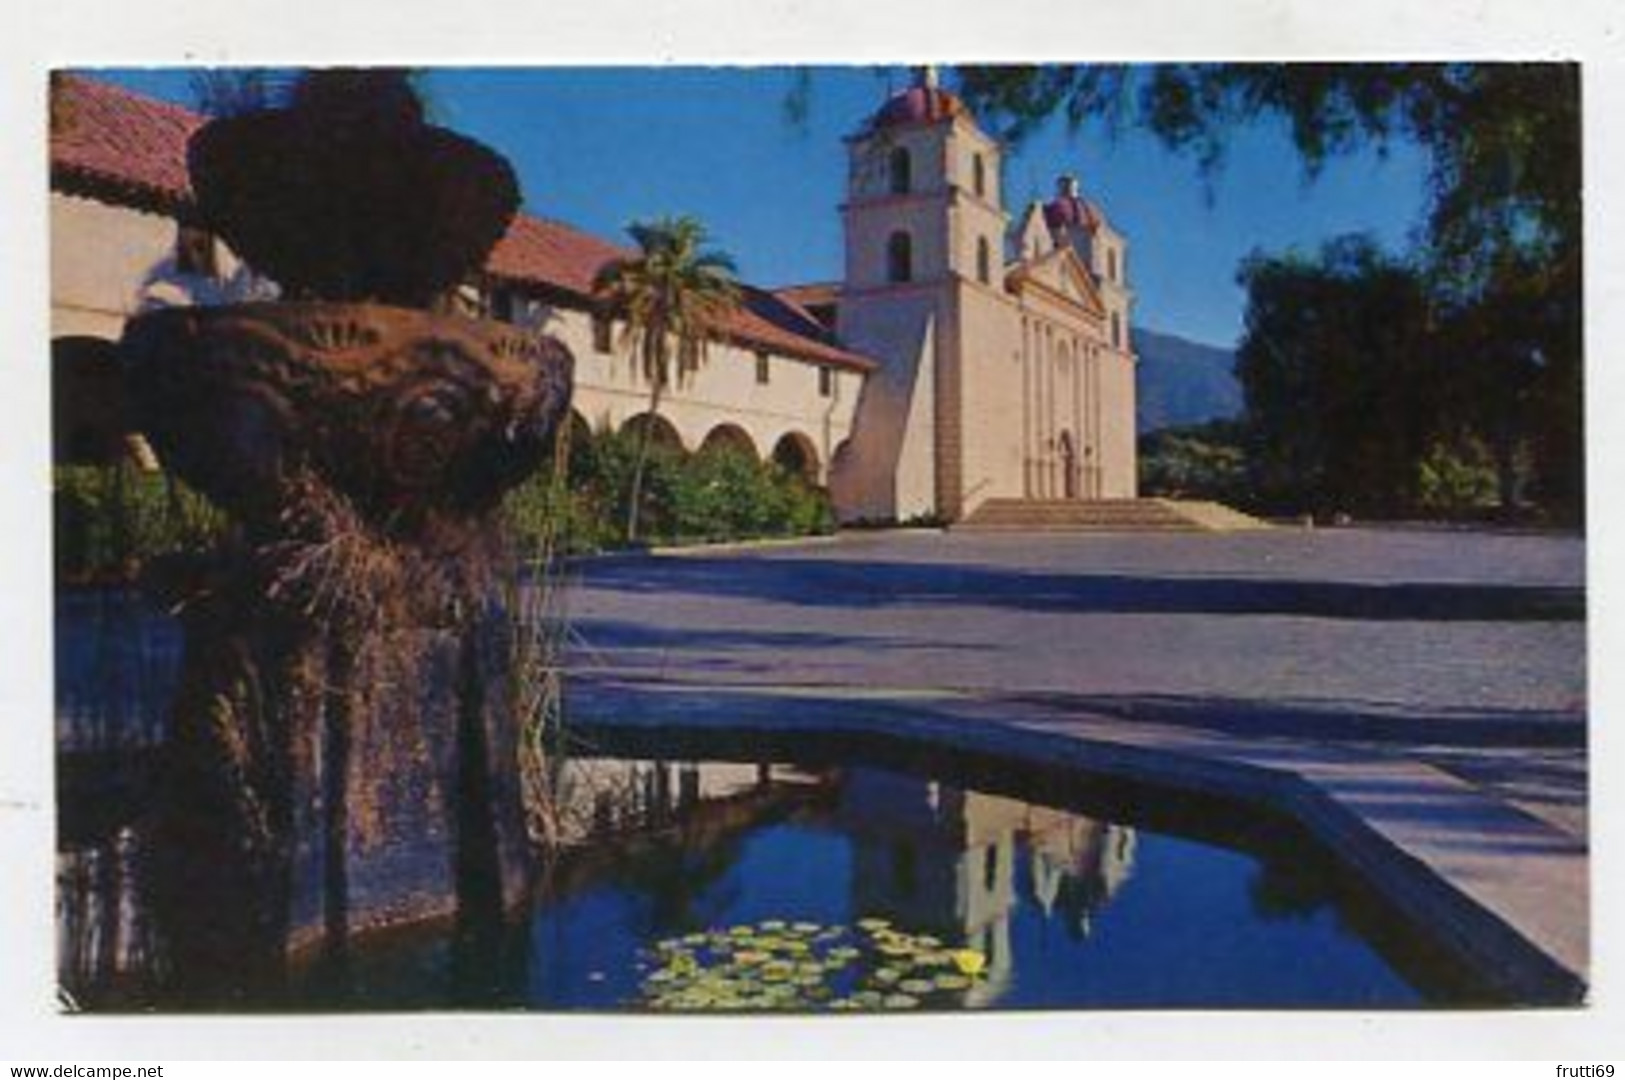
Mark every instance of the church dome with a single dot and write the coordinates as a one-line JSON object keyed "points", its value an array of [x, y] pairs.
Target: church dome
{"points": [[923, 103], [1069, 210], [917, 105]]}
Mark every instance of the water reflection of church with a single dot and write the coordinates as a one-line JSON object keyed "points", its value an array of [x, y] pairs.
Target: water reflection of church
{"points": [[933, 857]]}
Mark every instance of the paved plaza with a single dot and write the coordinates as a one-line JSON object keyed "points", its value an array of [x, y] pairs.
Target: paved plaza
{"points": [[1416, 696], [1432, 682], [1460, 645]]}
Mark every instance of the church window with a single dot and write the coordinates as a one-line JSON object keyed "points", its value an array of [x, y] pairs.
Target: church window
{"points": [[899, 257], [504, 305], [978, 171], [1111, 264], [826, 382], [601, 333], [1117, 331], [900, 168], [984, 261], [763, 370], [194, 251]]}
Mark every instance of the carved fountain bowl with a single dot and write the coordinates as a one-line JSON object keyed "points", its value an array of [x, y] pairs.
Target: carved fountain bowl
{"points": [[414, 416]]}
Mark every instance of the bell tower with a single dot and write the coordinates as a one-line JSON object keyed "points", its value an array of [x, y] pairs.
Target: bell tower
{"points": [[922, 219], [923, 200]]}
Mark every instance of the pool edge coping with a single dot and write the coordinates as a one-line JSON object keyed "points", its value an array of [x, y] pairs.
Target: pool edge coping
{"points": [[1469, 926]]}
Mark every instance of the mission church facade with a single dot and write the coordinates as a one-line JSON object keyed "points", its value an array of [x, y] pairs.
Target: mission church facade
{"points": [[959, 359], [1005, 368]]}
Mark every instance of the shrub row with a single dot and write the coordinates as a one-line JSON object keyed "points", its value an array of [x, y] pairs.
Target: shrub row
{"points": [[112, 519], [713, 496], [1217, 460]]}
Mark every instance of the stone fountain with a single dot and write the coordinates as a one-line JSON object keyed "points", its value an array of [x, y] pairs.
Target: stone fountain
{"points": [[345, 742]]}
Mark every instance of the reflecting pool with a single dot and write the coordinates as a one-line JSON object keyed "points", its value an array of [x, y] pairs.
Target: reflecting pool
{"points": [[838, 881]]}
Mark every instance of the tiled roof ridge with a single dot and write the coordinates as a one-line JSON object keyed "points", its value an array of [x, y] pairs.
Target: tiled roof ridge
{"points": [[128, 148]]}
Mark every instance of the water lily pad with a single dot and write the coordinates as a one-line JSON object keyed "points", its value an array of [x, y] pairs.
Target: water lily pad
{"points": [[873, 923], [916, 986], [901, 1001], [887, 975], [949, 981], [804, 927]]}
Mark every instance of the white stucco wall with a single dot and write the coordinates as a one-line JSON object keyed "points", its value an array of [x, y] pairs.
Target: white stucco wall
{"points": [[889, 471], [100, 257], [991, 395], [107, 261], [610, 389]]}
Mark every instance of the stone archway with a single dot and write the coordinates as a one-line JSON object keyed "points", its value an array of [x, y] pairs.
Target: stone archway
{"points": [[796, 454], [579, 449], [729, 438], [662, 433]]}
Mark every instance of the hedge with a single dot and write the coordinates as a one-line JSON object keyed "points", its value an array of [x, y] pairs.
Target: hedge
{"points": [[111, 519]]}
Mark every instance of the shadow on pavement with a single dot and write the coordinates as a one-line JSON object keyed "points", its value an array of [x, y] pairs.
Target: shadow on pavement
{"points": [[828, 583]]}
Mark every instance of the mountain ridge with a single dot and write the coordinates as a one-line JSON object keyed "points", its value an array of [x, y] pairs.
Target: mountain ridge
{"points": [[1180, 381]]}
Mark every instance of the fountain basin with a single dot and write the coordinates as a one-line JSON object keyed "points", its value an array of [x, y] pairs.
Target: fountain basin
{"points": [[417, 418]]}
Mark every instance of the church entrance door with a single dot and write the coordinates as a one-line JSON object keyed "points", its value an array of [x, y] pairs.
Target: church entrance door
{"points": [[1069, 466]]}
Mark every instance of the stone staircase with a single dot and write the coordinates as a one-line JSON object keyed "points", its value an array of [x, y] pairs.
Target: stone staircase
{"points": [[1105, 515]]}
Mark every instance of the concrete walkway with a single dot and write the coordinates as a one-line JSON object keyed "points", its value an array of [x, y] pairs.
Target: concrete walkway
{"points": [[1416, 696]]}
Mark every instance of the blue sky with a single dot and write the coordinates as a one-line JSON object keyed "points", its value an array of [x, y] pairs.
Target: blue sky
{"points": [[600, 147]]}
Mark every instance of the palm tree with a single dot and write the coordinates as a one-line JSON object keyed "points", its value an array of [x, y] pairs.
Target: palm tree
{"points": [[674, 296]]}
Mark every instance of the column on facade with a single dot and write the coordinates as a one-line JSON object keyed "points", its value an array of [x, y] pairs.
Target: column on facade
{"points": [[1097, 465], [1080, 432], [1050, 363], [1040, 359], [1026, 410]]}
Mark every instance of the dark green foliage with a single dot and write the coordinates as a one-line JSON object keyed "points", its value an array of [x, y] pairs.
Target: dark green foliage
{"points": [[1342, 379], [1457, 480], [110, 520], [1198, 461], [1369, 391], [717, 495]]}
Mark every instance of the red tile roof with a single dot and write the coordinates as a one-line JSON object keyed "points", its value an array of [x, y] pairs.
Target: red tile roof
{"points": [[811, 294], [112, 143], [122, 147]]}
